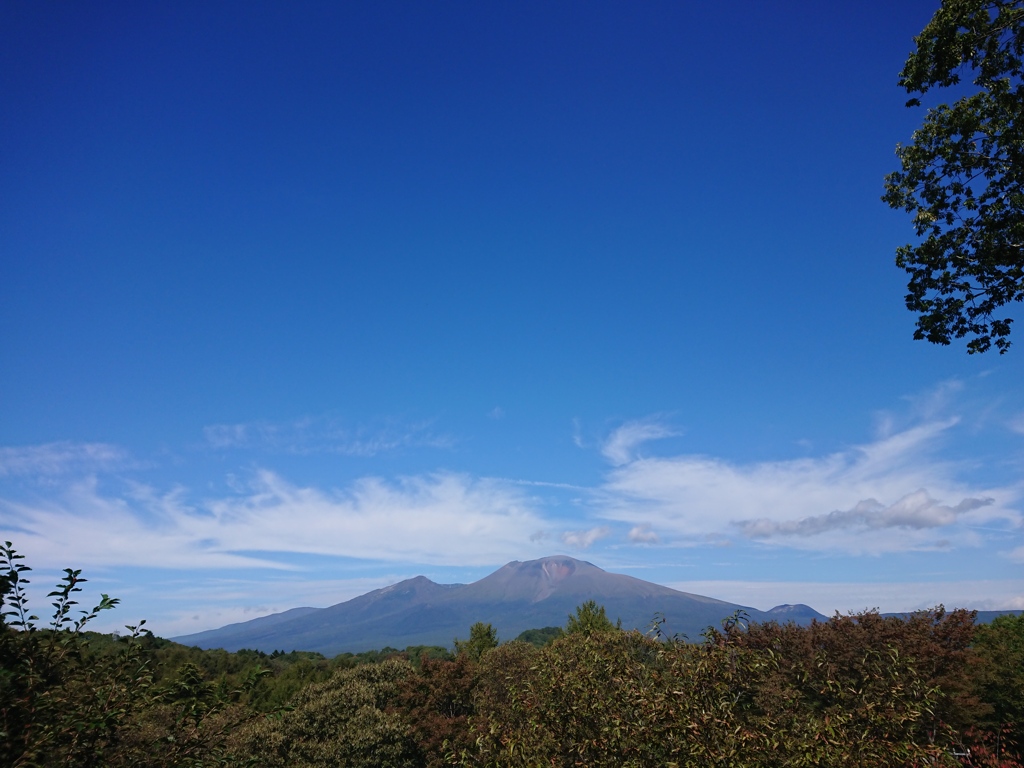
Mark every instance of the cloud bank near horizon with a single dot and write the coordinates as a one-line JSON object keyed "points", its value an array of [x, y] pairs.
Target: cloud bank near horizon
{"points": [[889, 495], [431, 519], [850, 501]]}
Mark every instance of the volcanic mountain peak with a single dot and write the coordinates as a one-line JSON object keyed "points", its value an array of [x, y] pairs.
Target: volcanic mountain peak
{"points": [[536, 580], [516, 597], [555, 569]]}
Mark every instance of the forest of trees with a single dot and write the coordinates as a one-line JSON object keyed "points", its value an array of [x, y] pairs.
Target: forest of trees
{"points": [[862, 690]]}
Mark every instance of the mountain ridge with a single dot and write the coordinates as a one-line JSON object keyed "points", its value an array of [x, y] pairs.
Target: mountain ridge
{"points": [[518, 596]]}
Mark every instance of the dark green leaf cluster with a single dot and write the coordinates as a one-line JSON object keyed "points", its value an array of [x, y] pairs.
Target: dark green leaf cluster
{"points": [[999, 651], [590, 618], [482, 638], [61, 703], [786, 696], [962, 176], [540, 637], [345, 721]]}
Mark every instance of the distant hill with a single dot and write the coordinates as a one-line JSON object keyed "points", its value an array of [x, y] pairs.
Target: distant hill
{"points": [[798, 614], [982, 617], [516, 597], [986, 617]]}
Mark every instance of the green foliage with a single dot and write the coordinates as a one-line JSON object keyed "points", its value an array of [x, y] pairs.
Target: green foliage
{"points": [[962, 177], [590, 618], [999, 677], [900, 683], [540, 637], [936, 644], [345, 722], [189, 722], [623, 699], [482, 638], [60, 703], [436, 705], [498, 703], [585, 700], [418, 654], [75, 698]]}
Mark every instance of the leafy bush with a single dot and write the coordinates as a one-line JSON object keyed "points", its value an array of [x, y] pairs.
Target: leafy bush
{"points": [[999, 679], [60, 703], [623, 699], [345, 722], [437, 704]]}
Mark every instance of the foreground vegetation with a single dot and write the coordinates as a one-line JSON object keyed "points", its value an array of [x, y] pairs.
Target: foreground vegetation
{"points": [[861, 690]]}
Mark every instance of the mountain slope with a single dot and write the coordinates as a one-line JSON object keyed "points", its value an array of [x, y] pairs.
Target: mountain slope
{"points": [[516, 597]]}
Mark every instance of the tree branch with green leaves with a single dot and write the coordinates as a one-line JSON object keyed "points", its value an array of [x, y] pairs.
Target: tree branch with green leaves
{"points": [[962, 176]]}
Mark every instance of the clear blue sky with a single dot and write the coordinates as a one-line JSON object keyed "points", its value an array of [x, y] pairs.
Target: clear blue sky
{"points": [[299, 299]]}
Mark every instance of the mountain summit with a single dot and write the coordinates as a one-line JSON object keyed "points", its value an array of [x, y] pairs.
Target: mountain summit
{"points": [[516, 597]]}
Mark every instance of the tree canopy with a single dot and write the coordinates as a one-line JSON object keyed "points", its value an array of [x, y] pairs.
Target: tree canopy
{"points": [[590, 618], [962, 176], [482, 638]]}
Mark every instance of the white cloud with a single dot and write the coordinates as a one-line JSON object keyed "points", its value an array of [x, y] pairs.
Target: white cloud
{"points": [[323, 434], [1016, 555], [87, 528], [59, 458], [439, 518], [894, 482], [427, 519], [620, 445], [642, 534], [584, 539]]}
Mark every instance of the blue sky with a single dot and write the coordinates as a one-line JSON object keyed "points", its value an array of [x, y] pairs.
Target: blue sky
{"points": [[297, 300]]}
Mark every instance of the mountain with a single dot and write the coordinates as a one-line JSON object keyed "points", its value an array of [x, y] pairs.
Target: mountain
{"points": [[987, 617], [516, 597], [798, 614]]}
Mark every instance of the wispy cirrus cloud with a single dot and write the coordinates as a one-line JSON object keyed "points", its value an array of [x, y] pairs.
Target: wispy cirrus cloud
{"points": [[59, 458], [323, 434], [438, 518], [93, 528], [619, 448]]}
